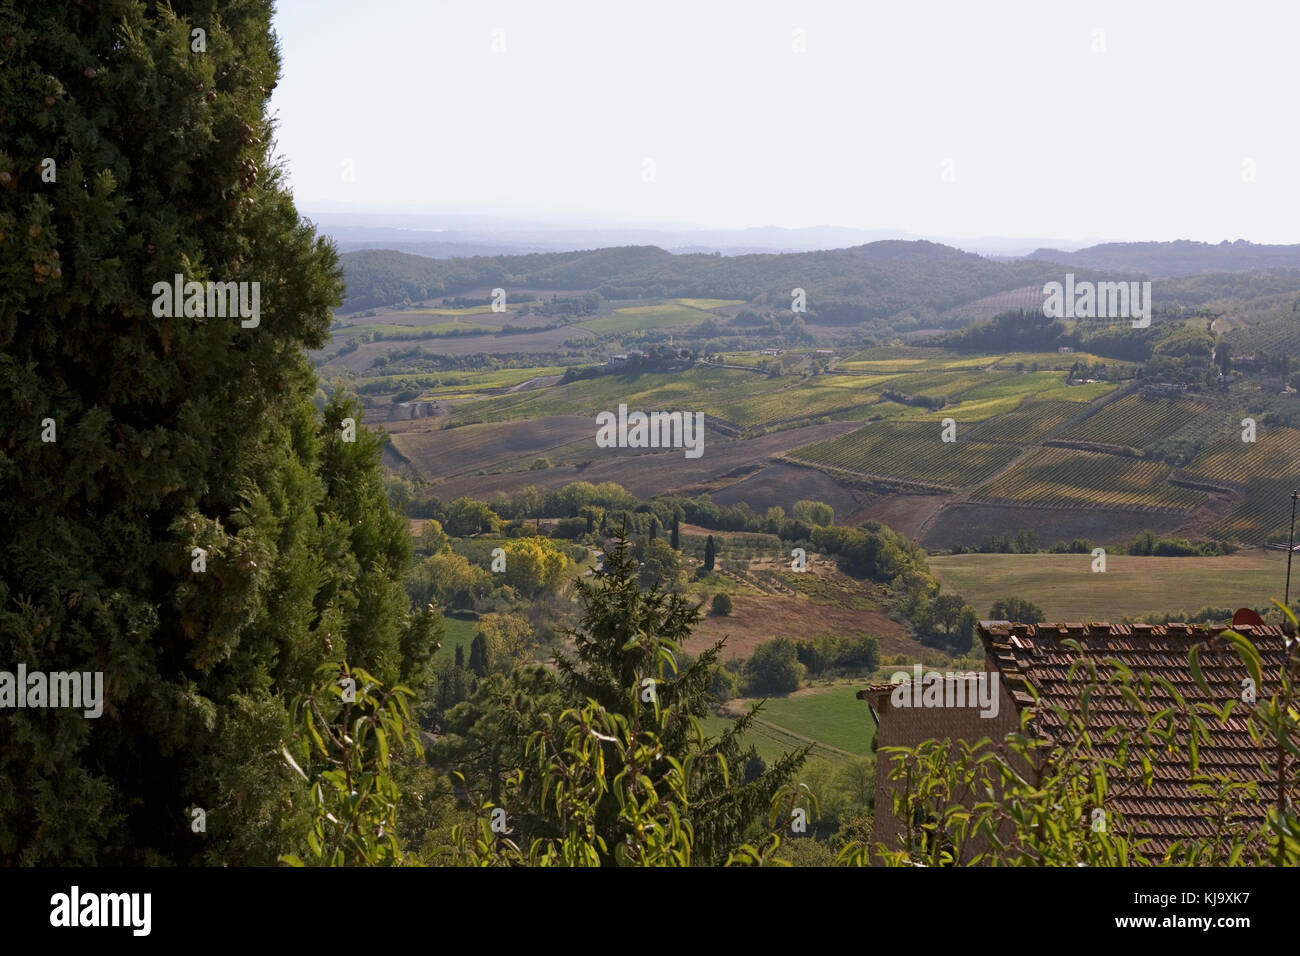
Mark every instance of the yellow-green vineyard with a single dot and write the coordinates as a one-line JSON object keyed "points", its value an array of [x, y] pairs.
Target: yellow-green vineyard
{"points": [[912, 451], [1137, 421], [1068, 476]]}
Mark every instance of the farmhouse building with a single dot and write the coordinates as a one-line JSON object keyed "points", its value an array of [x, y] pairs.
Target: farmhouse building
{"points": [[1020, 658], [406, 411]]}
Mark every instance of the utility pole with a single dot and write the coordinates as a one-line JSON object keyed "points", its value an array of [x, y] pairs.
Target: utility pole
{"points": [[1290, 550]]}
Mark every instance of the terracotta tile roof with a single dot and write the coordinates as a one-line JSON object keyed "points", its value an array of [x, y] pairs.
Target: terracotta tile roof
{"points": [[1037, 656], [875, 690]]}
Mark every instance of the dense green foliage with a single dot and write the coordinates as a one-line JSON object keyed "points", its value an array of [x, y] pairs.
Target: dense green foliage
{"points": [[171, 434], [1017, 610], [844, 286], [626, 662]]}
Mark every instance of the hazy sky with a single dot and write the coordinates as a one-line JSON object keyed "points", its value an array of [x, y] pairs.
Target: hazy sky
{"points": [[1124, 120]]}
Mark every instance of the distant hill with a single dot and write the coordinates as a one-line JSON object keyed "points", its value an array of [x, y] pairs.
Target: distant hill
{"points": [[844, 286], [1180, 258]]}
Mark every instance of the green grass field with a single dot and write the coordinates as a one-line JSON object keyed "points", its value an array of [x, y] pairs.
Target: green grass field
{"points": [[1067, 589], [827, 715], [1077, 393], [823, 395], [1056, 359], [708, 303], [904, 358], [459, 633], [699, 389]]}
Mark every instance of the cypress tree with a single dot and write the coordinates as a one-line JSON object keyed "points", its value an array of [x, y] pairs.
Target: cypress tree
{"points": [[479, 663], [710, 554], [196, 531], [676, 539], [460, 655]]}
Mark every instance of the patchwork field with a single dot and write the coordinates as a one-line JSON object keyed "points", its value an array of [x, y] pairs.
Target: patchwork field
{"points": [[829, 394], [1266, 472], [1275, 453], [1136, 421], [697, 389], [1069, 476], [970, 522], [455, 451], [760, 449], [655, 472], [550, 340], [912, 451], [1029, 422]]}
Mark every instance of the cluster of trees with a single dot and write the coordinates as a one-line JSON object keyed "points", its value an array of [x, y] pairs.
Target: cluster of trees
{"points": [[1206, 615], [406, 383], [871, 550], [781, 327], [1025, 541], [844, 656], [1017, 610], [382, 277], [1147, 543], [501, 642], [920, 401], [654, 358], [773, 668], [567, 501], [605, 507], [1031, 331], [457, 574], [1016, 331], [588, 303], [780, 666]]}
